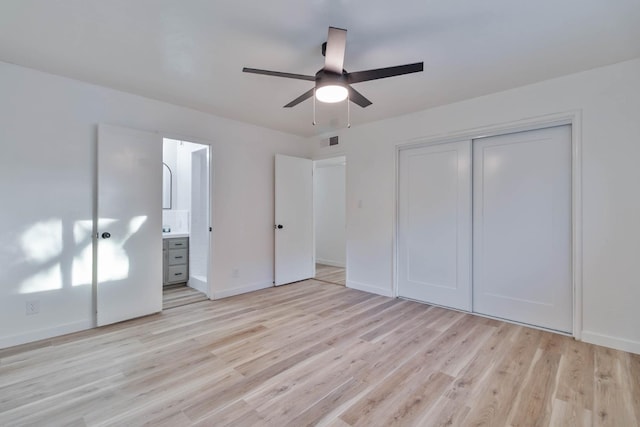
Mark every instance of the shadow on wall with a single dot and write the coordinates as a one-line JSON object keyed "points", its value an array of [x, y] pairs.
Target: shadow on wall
{"points": [[54, 254]]}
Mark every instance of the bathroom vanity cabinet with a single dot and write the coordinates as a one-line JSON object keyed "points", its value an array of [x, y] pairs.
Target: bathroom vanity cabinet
{"points": [[175, 256]]}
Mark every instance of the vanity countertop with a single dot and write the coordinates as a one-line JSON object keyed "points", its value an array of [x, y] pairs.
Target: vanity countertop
{"points": [[172, 235]]}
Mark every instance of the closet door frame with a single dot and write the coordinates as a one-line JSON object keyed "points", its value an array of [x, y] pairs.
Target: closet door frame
{"points": [[573, 118]]}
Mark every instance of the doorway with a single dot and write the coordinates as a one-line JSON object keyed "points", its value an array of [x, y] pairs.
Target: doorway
{"points": [[485, 225], [185, 222], [329, 194]]}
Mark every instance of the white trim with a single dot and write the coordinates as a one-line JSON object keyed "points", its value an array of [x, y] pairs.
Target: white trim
{"points": [[324, 156], [225, 293], [313, 219], [573, 118], [529, 123], [212, 232], [197, 284], [612, 342], [41, 334], [368, 288], [330, 263], [576, 221], [394, 232], [486, 316]]}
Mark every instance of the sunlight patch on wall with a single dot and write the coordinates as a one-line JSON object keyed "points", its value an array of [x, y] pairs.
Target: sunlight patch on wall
{"points": [[42, 241], [82, 270], [82, 231], [43, 244], [47, 280]]}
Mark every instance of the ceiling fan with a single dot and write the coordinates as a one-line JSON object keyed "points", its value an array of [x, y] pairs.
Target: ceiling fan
{"points": [[332, 82]]}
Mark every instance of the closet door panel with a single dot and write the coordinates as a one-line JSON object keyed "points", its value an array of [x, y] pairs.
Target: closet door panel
{"points": [[522, 227], [434, 228]]}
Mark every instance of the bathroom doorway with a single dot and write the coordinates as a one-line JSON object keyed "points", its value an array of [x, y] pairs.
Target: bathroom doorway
{"points": [[186, 228], [329, 197]]}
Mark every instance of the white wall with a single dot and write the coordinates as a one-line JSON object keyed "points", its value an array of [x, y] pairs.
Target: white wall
{"points": [[183, 173], [609, 99], [169, 156], [48, 128], [330, 213]]}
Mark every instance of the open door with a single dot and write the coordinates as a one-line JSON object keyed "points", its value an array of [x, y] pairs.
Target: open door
{"points": [[199, 234], [129, 239], [294, 219]]}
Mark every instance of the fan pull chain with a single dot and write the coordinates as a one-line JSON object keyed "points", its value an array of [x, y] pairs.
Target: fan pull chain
{"points": [[314, 107]]}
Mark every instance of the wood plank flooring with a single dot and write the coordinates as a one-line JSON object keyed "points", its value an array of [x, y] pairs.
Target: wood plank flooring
{"points": [[180, 294], [330, 274], [312, 354]]}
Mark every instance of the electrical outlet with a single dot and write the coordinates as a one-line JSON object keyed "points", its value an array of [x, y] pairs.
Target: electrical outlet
{"points": [[33, 307], [235, 273]]}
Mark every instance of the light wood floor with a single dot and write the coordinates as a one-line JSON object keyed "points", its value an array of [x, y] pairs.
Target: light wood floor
{"points": [[327, 273], [181, 294], [312, 354]]}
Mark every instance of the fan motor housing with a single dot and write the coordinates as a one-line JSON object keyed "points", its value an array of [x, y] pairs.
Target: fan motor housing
{"points": [[325, 78]]}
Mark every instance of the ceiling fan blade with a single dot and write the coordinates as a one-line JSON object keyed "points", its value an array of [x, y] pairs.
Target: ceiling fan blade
{"points": [[336, 45], [279, 74], [308, 94], [357, 98], [381, 73]]}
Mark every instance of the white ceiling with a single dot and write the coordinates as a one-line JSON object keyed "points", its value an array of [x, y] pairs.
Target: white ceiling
{"points": [[191, 52]]}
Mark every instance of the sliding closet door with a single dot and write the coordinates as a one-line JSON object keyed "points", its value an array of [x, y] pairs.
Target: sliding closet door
{"points": [[434, 229], [522, 227]]}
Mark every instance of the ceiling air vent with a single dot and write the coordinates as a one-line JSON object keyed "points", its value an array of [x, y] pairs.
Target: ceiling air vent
{"points": [[333, 140]]}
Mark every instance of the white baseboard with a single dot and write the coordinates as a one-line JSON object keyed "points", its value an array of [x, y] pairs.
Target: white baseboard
{"points": [[330, 263], [368, 288], [612, 342], [42, 334], [225, 293], [198, 285]]}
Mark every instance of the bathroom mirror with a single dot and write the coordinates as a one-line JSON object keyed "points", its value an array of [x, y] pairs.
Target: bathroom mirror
{"points": [[166, 186]]}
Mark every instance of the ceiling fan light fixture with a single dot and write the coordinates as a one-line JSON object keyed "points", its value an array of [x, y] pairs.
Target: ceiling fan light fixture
{"points": [[331, 93]]}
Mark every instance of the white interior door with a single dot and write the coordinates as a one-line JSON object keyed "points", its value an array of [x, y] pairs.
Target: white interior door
{"points": [[199, 227], [434, 230], [129, 248], [294, 219], [522, 227]]}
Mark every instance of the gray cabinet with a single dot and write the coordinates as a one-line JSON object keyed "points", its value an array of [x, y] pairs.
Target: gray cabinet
{"points": [[175, 259]]}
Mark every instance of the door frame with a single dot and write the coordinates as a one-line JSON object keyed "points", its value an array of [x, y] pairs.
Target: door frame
{"points": [[326, 156], [572, 118], [210, 260]]}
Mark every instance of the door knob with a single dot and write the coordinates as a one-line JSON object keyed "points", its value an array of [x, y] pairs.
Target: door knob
{"points": [[106, 235], [279, 226]]}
